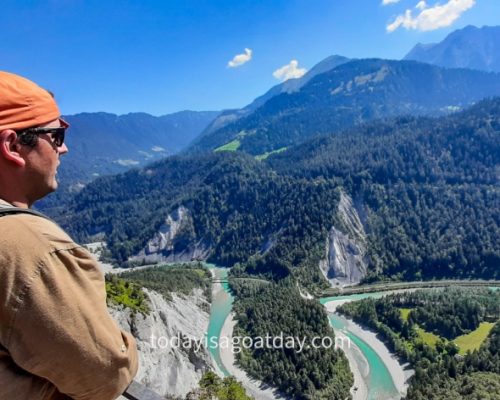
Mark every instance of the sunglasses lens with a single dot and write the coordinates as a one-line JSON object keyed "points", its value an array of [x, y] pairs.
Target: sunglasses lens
{"points": [[61, 137], [58, 136]]}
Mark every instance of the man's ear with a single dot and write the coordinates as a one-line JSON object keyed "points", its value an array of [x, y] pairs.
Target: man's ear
{"points": [[10, 148]]}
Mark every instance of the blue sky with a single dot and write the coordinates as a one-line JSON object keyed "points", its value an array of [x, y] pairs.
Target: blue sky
{"points": [[165, 56]]}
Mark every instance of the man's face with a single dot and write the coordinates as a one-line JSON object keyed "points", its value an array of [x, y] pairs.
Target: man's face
{"points": [[42, 162]]}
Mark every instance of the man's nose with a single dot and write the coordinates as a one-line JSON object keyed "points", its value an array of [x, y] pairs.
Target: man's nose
{"points": [[63, 149]]}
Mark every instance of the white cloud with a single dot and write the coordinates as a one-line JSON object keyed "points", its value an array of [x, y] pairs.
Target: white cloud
{"points": [[157, 149], [240, 59], [145, 154], [438, 16], [127, 163], [421, 5], [289, 71], [387, 2]]}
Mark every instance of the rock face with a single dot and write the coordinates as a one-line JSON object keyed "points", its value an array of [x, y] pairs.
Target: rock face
{"points": [[164, 365], [345, 262], [175, 241]]}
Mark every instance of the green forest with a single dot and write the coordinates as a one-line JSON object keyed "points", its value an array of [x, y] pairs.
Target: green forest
{"points": [[427, 188], [441, 372], [278, 309], [430, 187], [212, 387]]}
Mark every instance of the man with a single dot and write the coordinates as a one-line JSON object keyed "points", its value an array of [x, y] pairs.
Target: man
{"points": [[57, 339]]}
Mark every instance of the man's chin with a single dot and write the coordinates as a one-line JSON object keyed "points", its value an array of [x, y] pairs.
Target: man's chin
{"points": [[52, 187]]}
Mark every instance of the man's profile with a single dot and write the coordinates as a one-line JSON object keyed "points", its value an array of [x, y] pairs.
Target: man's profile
{"points": [[57, 339]]}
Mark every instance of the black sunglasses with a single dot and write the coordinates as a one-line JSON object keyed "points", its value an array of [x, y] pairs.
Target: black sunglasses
{"points": [[57, 134]]}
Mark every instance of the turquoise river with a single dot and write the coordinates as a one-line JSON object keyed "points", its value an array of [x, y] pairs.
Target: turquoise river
{"points": [[222, 303], [379, 381], [380, 384]]}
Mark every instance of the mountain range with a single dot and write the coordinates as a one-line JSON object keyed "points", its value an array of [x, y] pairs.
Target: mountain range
{"points": [[361, 171], [103, 143], [292, 111], [470, 47], [349, 94], [365, 155], [289, 86], [425, 191]]}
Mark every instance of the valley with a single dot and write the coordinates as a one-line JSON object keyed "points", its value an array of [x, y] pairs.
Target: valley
{"points": [[404, 219], [288, 200], [359, 202], [377, 372]]}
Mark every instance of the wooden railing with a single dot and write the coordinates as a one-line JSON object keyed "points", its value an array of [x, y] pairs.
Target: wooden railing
{"points": [[136, 391]]}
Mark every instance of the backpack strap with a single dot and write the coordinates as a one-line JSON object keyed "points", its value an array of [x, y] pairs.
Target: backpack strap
{"points": [[16, 210]]}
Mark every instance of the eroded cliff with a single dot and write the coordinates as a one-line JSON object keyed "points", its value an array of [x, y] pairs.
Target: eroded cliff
{"points": [[345, 261], [174, 242], [165, 365]]}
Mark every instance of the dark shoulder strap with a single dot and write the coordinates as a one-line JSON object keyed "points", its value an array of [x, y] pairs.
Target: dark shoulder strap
{"points": [[17, 210]]}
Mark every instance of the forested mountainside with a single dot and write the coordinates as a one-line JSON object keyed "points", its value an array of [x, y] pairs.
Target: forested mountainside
{"points": [[238, 208], [470, 47], [350, 94], [289, 86], [431, 187], [103, 144], [426, 190], [294, 85]]}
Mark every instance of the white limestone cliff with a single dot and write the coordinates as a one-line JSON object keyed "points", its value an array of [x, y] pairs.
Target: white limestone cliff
{"points": [[174, 241], [163, 368], [345, 262]]}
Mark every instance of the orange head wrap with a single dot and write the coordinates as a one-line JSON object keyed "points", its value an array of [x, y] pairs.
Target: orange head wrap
{"points": [[24, 104]]}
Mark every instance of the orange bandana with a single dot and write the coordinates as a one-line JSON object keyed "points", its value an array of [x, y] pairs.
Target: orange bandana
{"points": [[24, 104]]}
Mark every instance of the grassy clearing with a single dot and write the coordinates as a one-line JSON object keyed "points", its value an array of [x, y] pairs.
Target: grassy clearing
{"points": [[428, 338], [261, 157], [404, 313], [231, 146], [472, 341], [128, 294]]}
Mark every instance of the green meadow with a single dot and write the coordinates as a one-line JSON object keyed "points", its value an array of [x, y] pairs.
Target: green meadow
{"points": [[261, 157], [231, 146], [472, 341], [428, 338], [404, 313]]}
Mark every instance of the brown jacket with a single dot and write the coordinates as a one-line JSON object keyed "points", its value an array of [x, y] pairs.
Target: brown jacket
{"points": [[57, 339]]}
